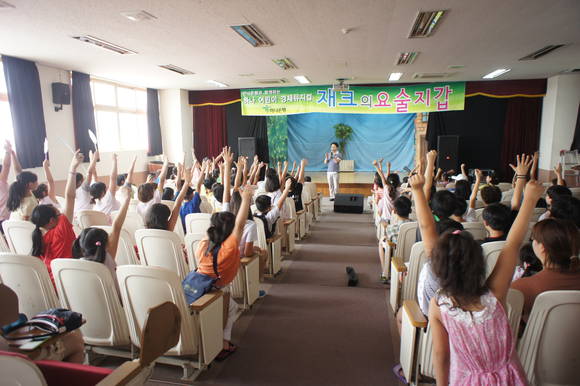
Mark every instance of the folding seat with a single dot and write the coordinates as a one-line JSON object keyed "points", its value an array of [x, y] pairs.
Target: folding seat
{"points": [[18, 235], [3, 244], [132, 223], [191, 242], [197, 223], [205, 206], [28, 277], [201, 330], [548, 349], [88, 287], [126, 249], [246, 285], [89, 218], [404, 278], [161, 248], [272, 245], [476, 229], [300, 217], [315, 198], [308, 208], [405, 240], [289, 227]]}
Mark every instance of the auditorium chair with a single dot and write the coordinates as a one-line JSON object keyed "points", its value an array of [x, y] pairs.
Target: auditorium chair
{"points": [[191, 241], [404, 278], [272, 245], [88, 287], [170, 204], [504, 186], [537, 213], [548, 349], [125, 249], [3, 244], [308, 205], [476, 229], [300, 217], [201, 331], [205, 206], [90, 218], [61, 201], [197, 223], [246, 285], [161, 248], [289, 227], [19, 236], [316, 197], [132, 223], [405, 240], [28, 277]]}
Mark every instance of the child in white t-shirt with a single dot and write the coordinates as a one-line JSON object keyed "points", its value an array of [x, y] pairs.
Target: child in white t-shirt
{"points": [[150, 193]]}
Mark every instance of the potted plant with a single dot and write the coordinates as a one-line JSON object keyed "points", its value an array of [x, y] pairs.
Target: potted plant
{"points": [[344, 133]]}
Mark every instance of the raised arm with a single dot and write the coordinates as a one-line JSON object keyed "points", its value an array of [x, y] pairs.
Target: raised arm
{"points": [[439, 174], [118, 222], [473, 197], [293, 168], [130, 174], [523, 166], [177, 205], [16, 162], [227, 171], [113, 177], [283, 172], [424, 215], [163, 175], [303, 164], [49, 180], [558, 171], [200, 179], [464, 172], [388, 167], [7, 162], [239, 172], [70, 191], [282, 200], [502, 274], [534, 169], [245, 171], [92, 170], [431, 158], [247, 193], [379, 168]]}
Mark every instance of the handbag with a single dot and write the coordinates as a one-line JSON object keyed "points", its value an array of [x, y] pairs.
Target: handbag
{"points": [[197, 284]]}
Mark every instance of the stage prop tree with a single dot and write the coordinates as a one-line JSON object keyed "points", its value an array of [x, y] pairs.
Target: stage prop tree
{"points": [[343, 133]]}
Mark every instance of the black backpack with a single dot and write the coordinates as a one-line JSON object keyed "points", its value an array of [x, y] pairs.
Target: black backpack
{"points": [[269, 232]]}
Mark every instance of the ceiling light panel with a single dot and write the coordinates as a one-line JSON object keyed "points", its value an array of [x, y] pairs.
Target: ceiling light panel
{"points": [[285, 64], [406, 58], [542, 51], [104, 44], [251, 34], [138, 15], [426, 23], [218, 84], [395, 76], [174, 68], [302, 79], [496, 73]]}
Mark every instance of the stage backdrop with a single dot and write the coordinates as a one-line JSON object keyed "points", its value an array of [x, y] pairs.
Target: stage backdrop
{"points": [[391, 137]]}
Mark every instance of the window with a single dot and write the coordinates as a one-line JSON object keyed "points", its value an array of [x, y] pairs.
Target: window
{"points": [[120, 115], [6, 131]]}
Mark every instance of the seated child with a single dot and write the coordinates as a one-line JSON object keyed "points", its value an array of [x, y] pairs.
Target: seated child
{"points": [[269, 213], [497, 219], [400, 215]]}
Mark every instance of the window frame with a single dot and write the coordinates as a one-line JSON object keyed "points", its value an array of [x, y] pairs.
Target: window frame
{"points": [[119, 110]]}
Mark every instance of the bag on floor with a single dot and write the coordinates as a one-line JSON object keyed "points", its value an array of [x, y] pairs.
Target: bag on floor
{"points": [[197, 284]]}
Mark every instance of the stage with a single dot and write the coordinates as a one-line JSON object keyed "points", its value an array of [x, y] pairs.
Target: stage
{"points": [[349, 182]]}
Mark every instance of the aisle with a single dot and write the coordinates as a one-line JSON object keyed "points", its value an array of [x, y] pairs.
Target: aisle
{"points": [[311, 329]]}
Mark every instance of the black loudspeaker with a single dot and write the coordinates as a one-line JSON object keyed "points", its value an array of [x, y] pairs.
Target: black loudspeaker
{"points": [[247, 146], [447, 152], [349, 203], [60, 94]]}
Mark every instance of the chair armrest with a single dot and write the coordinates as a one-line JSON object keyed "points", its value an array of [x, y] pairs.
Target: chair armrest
{"points": [[205, 300], [273, 239], [122, 375], [289, 222], [248, 260], [414, 313], [398, 264], [300, 212]]}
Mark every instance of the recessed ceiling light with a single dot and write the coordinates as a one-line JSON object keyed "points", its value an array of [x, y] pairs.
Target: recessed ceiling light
{"points": [[395, 75], [218, 84], [104, 44], [174, 68], [496, 73], [285, 63], [302, 79], [425, 23], [252, 35], [138, 15], [407, 57]]}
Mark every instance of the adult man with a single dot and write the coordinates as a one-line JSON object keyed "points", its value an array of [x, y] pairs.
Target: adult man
{"points": [[332, 159]]}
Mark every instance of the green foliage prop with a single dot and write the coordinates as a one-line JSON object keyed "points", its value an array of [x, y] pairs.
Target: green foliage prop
{"points": [[277, 138], [343, 133]]}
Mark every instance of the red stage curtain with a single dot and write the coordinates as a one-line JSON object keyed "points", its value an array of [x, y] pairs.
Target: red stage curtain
{"points": [[210, 130], [521, 132]]}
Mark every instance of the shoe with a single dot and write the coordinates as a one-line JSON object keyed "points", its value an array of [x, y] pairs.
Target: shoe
{"points": [[332, 199], [384, 279], [261, 293]]}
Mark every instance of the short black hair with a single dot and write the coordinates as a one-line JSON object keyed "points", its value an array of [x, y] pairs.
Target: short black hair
{"points": [[556, 191], [168, 194], [208, 183], [566, 208], [498, 217], [463, 189], [263, 203], [460, 207], [218, 191], [308, 179], [447, 225], [490, 194], [334, 143], [443, 203], [402, 207], [121, 178]]}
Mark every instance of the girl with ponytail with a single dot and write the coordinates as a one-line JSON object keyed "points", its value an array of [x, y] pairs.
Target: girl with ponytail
{"points": [[53, 235], [391, 190], [103, 198], [21, 202]]}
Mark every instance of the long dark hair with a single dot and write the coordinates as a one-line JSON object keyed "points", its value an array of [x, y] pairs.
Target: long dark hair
{"points": [[236, 203], [222, 226], [18, 189], [459, 265], [393, 182], [561, 241], [40, 217], [272, 181], [91, 244], [97, 191], [41, 191], [462, 189]]}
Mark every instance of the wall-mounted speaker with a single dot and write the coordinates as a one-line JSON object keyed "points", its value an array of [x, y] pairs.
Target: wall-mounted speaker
{"points": [[247, 146], [447, 152], [60, 95]]}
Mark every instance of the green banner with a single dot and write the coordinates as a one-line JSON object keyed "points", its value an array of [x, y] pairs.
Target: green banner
{"points": [[358, 100]]}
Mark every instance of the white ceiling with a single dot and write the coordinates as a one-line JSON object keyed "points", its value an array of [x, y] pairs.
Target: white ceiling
{"points": [[194, 34]]}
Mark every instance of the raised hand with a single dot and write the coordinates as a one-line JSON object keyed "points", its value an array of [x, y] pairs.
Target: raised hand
{"points": [[77, 159], [432, 157], [375, 163], [558, 169], [478, 174], [417, 181], [46, 163], [247, 192], [523, 164], [288, 184], [534, 190]]}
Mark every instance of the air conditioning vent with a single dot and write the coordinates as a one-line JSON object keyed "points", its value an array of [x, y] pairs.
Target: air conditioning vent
{"points": [[271, 81], [431, 75], [542, 51], [406, 58], [138, 15], [247, 74], [174, 68], [252, 35], [426, 23], [5, 5], [104, 44], [285, 63], [571, 70]]}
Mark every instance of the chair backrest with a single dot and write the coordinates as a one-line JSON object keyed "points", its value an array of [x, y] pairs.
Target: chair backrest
{"points": [[476, 229], [126, 249], [132, 223], [479, 214], [291, 207], [548, 349], [537, 213], [197, 222], [262, 243], [28, 277], [504, 186], [417, 259], [405, 240], [491, 253], [88, 287], [170, 204], [205, 206], [89, 218], [18, 235], [515, 305], [3, 244], [20, 371], [191, 242], [306, 196], [145, 287], [160, 248], [61, 201]]}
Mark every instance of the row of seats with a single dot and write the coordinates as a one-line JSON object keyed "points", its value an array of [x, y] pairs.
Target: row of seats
{"points": [[115, 320]]}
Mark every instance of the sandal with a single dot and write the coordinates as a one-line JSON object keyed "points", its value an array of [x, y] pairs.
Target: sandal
{"points": [[224, 354], [398, 371]]}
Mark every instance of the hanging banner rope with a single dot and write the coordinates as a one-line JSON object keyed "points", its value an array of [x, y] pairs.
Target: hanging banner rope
{"points": [[356, 100]]}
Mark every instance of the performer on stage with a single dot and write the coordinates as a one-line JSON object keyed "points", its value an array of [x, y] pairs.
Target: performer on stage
{"points": [[332, 159]]}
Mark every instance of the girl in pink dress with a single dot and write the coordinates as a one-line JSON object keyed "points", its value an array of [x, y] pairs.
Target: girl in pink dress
{"points": [[472, 340]]}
